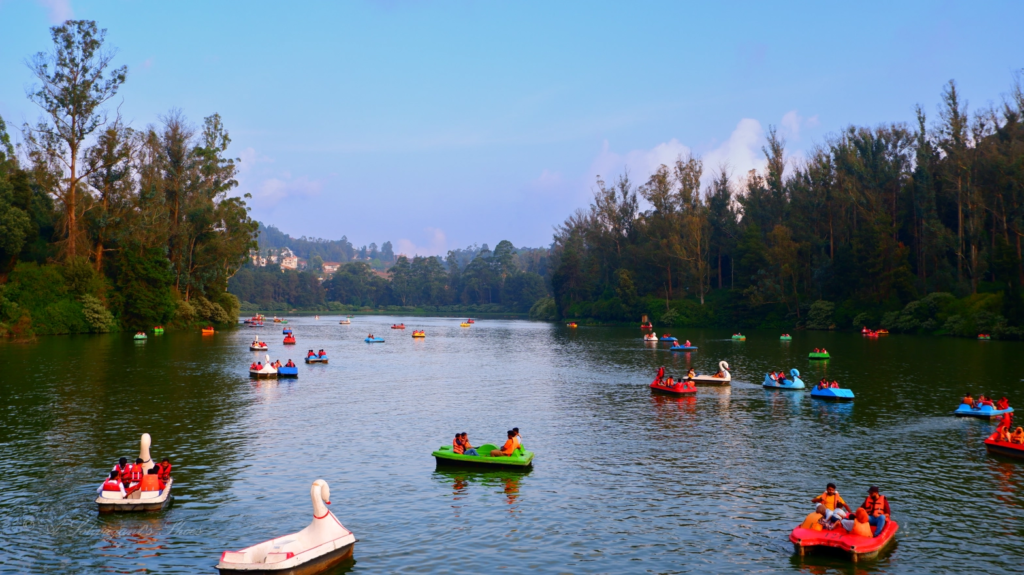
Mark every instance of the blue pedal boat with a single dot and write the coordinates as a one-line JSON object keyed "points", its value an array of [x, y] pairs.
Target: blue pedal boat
{"points": [[986, 411], [287, 372], [374, 340], [683, 348], [286, 331], [794, 383], [316, 359], [832, 394], [667, 338]]}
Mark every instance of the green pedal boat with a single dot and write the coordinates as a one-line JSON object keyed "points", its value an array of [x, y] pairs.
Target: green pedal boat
{"points": [[520, 458]]}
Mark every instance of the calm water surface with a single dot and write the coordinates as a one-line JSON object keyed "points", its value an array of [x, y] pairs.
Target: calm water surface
{"points": [[623, 481]]}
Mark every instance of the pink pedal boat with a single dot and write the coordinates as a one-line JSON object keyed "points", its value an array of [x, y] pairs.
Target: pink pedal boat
{"points": [[323, 544]]}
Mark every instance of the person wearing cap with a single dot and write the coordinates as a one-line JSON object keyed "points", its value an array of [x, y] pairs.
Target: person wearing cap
{"points": [[877, 508]]}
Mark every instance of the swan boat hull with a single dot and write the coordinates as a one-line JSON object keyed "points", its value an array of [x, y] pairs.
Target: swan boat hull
{"points": [[711, 380], [986, 412], [321, 564], [520, 459], [135, 502], [258, 348], [855, 547], [790, 383]]}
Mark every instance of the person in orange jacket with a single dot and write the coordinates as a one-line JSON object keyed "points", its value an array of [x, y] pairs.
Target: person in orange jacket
{"points": [[508, 449], [164, 468]]}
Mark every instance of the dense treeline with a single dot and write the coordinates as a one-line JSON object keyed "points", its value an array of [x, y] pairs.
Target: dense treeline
{"points": [[103, 226], [873, 220], [506, 279]]}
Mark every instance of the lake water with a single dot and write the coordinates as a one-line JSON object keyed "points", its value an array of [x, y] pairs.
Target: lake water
{"points": [[623, 481]]}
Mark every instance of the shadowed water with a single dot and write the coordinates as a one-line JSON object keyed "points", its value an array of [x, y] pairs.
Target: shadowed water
{"points": [[623, 481]]}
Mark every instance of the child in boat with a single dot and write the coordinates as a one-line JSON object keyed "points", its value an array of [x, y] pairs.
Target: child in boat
{"points": [[691, 374], [835, 507], [518, 438], [508, 449], [112, 485], [123, 469], [1017, 436]]}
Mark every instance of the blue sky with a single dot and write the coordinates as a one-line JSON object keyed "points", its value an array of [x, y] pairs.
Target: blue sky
{"points": [[439, 124]]}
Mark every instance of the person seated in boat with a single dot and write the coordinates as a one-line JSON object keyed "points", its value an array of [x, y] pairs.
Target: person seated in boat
{"points": [[860, 525], [290, 363], [835, 384], [321, 353], [877, 508], [164, 470], [461, 445], [1003, 403], [1017, 436], [111, 486], [691, 374], [517, 438], [985, 400], [823, 350], [508, 449], [259, 366], [668, 382], [121, 467], [252, 366], [781, 378], [687, 344], [661, 373], [822, 384], [150, 482], [835, 507], [719, 373], [815, 519], [968, 400]]}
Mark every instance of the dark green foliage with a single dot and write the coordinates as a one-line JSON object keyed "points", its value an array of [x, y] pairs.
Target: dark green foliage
{"points": [[144, 282]]}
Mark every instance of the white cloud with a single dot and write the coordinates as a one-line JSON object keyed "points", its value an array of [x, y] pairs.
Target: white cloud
{"points": [[640, 163], [272, 190], [57, 10], [548, 179], [739, 154], [436, 245]]}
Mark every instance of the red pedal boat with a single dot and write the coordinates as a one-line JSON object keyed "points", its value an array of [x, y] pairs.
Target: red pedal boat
{"points": [[289, 340], [399, 326], [855, 547], [684, 387], [1006, 448]]}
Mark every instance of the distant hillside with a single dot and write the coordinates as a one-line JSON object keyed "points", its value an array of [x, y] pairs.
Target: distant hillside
{"points": [[271, 238]]}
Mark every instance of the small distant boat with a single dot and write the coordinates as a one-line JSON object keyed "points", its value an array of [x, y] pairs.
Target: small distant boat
{"points": [[289, 339], [571, 324], [345, 321], [832, 393], [794, 383], [984, 412], [258, 345], [739, 337], [683, 387], [207, 330], [683, 348], [287, 331], [158, 330], [285, 371], [316, 358], [470, 320], [277, 320], [398, 326], [140, 336], [651, 336], [113, 502], [463, 324], [984, 336], [855, 547], [647, 325], [374, 340], [667, 337], [869, 333], [323, 544], [785, 337], [724, 379], [1009, 449], [882, 332], [419, 333], [818, 355], [520, 458]]}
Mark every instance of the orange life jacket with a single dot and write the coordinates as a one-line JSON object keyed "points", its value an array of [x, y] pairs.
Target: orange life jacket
{"points": [[137, 473], [877, 505], [151, 482], [125, 476], [112, 485], [457, 446], [165, 471]]}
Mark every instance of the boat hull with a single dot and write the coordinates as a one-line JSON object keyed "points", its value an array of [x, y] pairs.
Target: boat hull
{"points": [[263, 374], [854, 547], [375, 340], [710, 380], [986, 412], [287, 372], [832, 394], [445, 457], [993, 445], [813, 355], [316, 360], [683, 348], [136, 505], [257, 348], [794, 384], [317, 565], [674, 390]]}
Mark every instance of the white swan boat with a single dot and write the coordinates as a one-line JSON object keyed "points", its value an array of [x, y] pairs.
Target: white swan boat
{"points": [[651, 337], [323, 544], [725, 379], [113, 501], [345, 321], [258, 345], [266, 371]]}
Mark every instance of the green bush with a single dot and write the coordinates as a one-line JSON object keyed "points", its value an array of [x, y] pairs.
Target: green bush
{"points": [[100, 319], [820, 315], [544, 309]]}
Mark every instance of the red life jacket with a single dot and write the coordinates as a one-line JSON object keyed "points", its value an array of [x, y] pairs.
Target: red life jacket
{"points": [[125, 475], [122, 472], [137, 473], [165, 471], [112, 485]]}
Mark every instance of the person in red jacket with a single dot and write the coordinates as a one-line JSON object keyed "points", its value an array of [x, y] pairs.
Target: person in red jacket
{"points": [[878, 510], [112, 488], [150, 482], [164, 468], [121, 467]]}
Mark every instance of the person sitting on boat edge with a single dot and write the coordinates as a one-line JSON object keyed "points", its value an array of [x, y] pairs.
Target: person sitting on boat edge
{"points": [[877, 507], [164, 470], [835, 507], [661, 373], [508, 449], [815, 519], [1003, 403], [112, 485], [968, 400]]}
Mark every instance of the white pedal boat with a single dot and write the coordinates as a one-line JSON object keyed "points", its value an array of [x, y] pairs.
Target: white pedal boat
{"points": [[266, 371], [258, 345], [113, 502], [323, 544], [726, 378], [345, 321]]}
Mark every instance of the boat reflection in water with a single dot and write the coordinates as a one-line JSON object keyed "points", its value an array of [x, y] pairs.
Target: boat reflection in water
{"points": [[463, 481]]}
